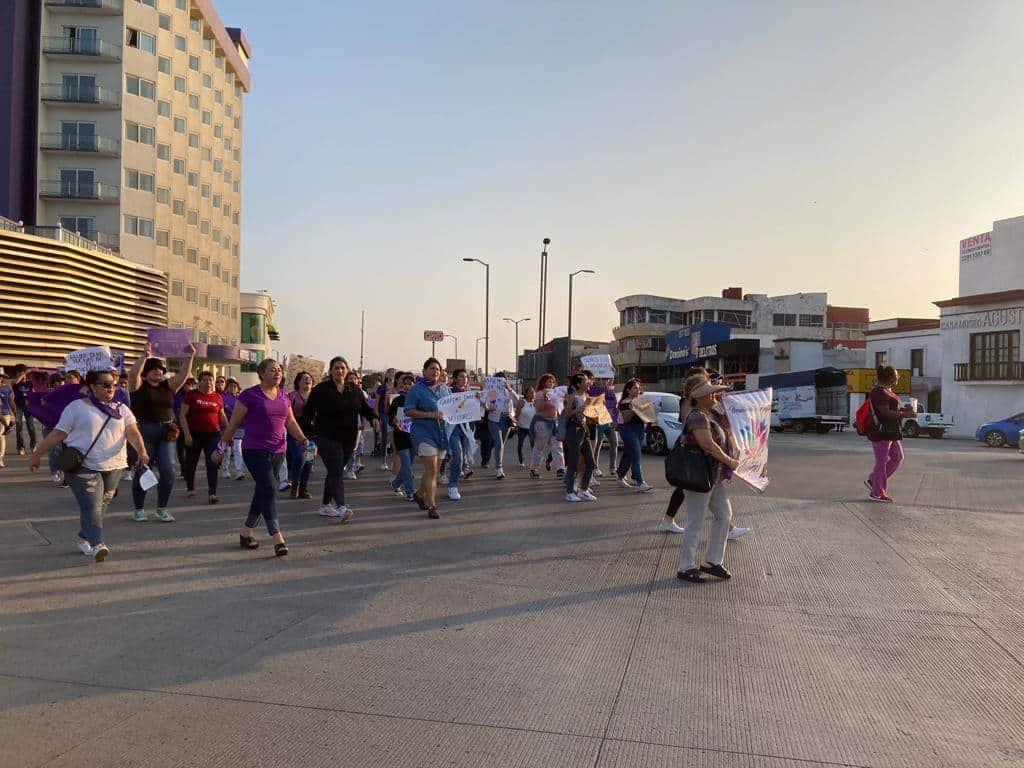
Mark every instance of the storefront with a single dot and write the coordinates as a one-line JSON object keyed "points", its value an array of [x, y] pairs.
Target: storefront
{"points": [[711, 345]]}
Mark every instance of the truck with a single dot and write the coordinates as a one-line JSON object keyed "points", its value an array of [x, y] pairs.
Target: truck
{"points": [[815, 400], [932, 424]]}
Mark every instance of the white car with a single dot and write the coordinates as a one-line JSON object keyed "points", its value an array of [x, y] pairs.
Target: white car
{"points": [[666, 429]]}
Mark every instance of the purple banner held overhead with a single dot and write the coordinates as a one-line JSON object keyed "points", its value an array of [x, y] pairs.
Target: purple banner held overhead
{"points": [[170, 342]]}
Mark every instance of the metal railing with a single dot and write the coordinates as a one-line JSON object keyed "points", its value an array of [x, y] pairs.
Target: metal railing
{"points": [[79, 190], [80, 46], [105, 5], [77, 143], [79, 94], [1005, 371], [8, 225], [100, 242]]}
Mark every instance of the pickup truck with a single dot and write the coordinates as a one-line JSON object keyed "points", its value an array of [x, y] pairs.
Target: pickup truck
{"points": [[931, 424], [805, 401]]}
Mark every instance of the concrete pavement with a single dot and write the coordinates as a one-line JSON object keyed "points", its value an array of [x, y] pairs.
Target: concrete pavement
{"points": [[523, 631]]}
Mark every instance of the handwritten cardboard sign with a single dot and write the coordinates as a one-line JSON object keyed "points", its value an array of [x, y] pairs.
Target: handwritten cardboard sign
{"points": [[89, 359], [600, 365], [461, 407]]}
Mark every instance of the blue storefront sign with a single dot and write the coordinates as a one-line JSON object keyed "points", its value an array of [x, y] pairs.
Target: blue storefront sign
{"points": [[695, 342]]}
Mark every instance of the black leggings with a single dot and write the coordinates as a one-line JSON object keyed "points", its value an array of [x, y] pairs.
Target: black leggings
{"points": [[674, 503], [335, 455], [202, 443], [523, 435]]}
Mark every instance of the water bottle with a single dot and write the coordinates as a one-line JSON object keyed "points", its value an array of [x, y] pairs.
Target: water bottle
{"points": [[310, 451]]}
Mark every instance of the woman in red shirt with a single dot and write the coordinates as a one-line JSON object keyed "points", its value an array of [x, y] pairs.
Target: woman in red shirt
{"points": [[202, 419], [885, 431]]}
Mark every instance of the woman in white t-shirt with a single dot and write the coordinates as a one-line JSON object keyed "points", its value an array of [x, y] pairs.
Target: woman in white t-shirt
{"points": [[98, 427]]}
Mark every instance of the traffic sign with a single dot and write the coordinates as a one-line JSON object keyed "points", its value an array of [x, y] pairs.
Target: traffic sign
{"points": [[433, 335]]}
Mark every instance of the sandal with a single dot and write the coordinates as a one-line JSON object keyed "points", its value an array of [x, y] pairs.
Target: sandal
{"points": [[692, 575], [419, 500], [280, 550], [214, 498], [433, 514], [718, 571], [247, 542]]}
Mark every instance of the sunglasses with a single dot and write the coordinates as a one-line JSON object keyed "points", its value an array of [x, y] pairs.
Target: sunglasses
{"points": [[106, 384]]}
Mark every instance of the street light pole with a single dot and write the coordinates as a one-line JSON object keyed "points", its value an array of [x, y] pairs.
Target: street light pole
{"points": [[516, 323], [568, 340], [487, 313], [456, 340], [476, 364], [542, 317]]}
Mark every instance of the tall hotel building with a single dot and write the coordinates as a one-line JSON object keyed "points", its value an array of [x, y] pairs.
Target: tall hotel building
{"points": [[123, 122]]}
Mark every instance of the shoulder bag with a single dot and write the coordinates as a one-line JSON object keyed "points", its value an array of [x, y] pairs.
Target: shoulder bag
{"points": [[70, 460], [688, 467]]}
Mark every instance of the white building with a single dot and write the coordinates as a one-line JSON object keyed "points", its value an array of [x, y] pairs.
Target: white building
{"points": [[257, 332], [913, 344]]}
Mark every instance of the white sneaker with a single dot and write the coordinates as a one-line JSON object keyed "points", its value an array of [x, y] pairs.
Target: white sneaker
{"points": [[645, 488], [384, 468], [328, 510], [499, 474], [84, 547], [100, 553], [598, 473], [594, 483], [284, 486], [625, 483], [56, 478], [572, 497], [443, 480], [344, 513], [672, 527], [350, 475], [453, 493], [587, 495], [738, 533]]}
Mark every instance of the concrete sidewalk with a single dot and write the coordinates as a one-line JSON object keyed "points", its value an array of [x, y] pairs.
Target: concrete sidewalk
{"points": [[517, 631]]}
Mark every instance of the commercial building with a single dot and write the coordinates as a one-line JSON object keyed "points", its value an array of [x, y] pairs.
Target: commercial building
{"points": [[59, 295], [123, 121], [913, 344], [257, 331], [551, 358]]}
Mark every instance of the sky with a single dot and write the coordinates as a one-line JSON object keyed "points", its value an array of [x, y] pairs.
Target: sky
{"points": [[675, 148]]}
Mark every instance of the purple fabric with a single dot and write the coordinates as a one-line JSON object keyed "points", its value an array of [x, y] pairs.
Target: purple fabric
{"points": [[297, 403], [229, 403], [611, 402], [106, 408], [382, 399], [179, 398], [264, 420], [888, 457], [48, 406]]}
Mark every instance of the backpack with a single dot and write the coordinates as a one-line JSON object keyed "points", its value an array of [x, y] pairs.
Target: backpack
{"points": [[863, 418]]}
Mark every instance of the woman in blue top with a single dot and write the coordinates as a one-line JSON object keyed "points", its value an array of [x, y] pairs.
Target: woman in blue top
{"points": [[427, 434]]}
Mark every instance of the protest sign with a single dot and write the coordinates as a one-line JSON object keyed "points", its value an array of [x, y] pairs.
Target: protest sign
{"points": [[403, 421], [750, 417], [558, 397], [89, 359], [644, 409], [461, 407], [494, 393], [599, 365], [170, 342]]}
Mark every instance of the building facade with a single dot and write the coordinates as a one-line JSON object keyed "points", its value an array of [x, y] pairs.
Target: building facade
{"points": [[136, 110], [552, 358], [257, 332], [912, 344]]}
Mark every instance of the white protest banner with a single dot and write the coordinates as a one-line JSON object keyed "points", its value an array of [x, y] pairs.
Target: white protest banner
{"points": [[750, 417], [599, 365], [404, 422], [558, 397], [461, 407], [89, 359], [494, 392]]}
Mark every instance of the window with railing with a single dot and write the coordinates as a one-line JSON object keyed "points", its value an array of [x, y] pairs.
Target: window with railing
{"points": [[736, 318], [995, 356], [784, 320]]}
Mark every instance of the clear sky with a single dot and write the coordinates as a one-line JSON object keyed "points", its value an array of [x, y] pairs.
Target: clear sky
{"points": [[676, 148]]}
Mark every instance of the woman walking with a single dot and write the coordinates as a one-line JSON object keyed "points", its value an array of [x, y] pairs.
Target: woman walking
{"points": [[525, 411], [153, 406], [577, 441], [266, 414], [632, 439], [401, 483], [299, 468], [331, 418], [233, 457], [460, 441], [496, 414], [98, 427], [427, 436], [202, 421], [885, 431], [545, 422], [709, 430]]}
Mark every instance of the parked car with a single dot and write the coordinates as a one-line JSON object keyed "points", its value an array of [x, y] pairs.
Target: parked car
{"points": [[1020, 441], [997, 434], [666, 429], [931, 424]]}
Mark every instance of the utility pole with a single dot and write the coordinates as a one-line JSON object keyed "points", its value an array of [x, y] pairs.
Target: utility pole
{"points": [[362, 335], [542, 317]]}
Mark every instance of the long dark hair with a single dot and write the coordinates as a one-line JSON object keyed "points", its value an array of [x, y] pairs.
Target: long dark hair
{"points": [[298, 378], [627, 385], [431, 360], [576, 380], [886, 375]]}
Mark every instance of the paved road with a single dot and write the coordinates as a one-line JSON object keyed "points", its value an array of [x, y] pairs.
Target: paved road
{"points": [[521, 631]]}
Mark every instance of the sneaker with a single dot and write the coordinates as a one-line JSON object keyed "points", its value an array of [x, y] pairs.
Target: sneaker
{"points": [[139, 516], [867, 484], [442, 480], [499, 474], [100, 553], [881, 498], [887, 497], [164, 516], [3, 464], [284, 486], [467, 474], [344, 513], [483, 466], [225, 473], [21, 451], [410, 497], [598, 473], [672, 527], [84, 547], [587, 495], [360, 468], [738, 533], [57, 478], [560, 473], [535, 474], [384, 468], [572, 497], [398, 490], [351, 475], [328, 510], [453, 493], [240, 476], [625, 483], [644, 488], [433, 514]]}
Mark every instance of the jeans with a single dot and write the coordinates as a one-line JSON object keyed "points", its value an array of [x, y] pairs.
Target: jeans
{"points": [[93, 492], [204, 443], [497, 432], [544, 442], [261, 466], [23, 419], [577, 442], [888, 457], [335, 455], [697, 505], [5, 421], [521, 436], [161, 454], [404, 477], [51, 457], [382, 438], [607, 431], [459, 445], [631, 440], [298, 467]]}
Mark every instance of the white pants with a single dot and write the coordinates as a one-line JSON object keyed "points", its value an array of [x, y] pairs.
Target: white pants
{"points": [[697, 506]]}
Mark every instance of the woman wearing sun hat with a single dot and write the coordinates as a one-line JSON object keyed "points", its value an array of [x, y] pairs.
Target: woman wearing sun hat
{"points": [[708, 429]]}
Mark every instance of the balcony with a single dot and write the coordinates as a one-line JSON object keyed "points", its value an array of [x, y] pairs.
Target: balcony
{"points": [[97, 7], [81, 48], [89, 96], [1011, 372], [92, 191], [94, 145]]}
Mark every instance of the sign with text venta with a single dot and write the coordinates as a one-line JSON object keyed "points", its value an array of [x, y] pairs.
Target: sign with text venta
{"points": [[433, 335]]}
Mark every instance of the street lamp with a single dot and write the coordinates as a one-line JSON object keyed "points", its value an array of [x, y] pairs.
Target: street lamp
{"points": [[568, 344], [456, 340], [476, 364], [516, 323], [542, 317], [487, 312]]}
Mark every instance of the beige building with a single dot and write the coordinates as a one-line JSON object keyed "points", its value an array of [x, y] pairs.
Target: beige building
{"points": [[257, 333], [140, 121]]}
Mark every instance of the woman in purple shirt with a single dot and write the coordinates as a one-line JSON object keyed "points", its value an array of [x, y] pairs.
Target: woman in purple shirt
{"points": [[266, 413]]}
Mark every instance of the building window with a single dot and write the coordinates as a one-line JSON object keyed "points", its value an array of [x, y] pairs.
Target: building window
{"points": [[234, 281], [133, 225], [226, 277], [136, 86], [736, 318], [195, 24], [180, 43], [215, 269], [179, 207], [207, 117], [254, 326], [193, 179], [180, 126], [193, 101], [163, 152], [143, 134], [208, 44], [193, 256], [659, 316], [216, 201], [204, 263], [165, 22], [193, 140], [218, 131], [193, 63], [207, 154], [163, 195], [218, 97], [204, 190], [150, 3], [179, 84], [163, 238], [177, 288], [215, 304], [993, 355], [163, 108], [917, 362], [179, 166], [207, 81], [784, 321], [138, 180], [181, 5], [204, 300], [879, 358], [218, 165], [193, 218], [192, 295], [163, 64], [204, 337], [178, 247], [204, 226], [133, 38], [812, 321]]}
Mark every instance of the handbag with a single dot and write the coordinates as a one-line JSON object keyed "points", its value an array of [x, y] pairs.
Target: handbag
{"points": [[688, 467], [70, 460]]}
